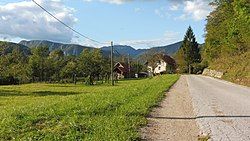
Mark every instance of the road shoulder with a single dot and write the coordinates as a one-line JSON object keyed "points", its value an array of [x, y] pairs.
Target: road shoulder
{"points": [[174, 118]]}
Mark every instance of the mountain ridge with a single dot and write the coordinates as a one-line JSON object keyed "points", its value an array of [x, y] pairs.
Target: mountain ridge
{"points": [[8, 47], [75, 49]]}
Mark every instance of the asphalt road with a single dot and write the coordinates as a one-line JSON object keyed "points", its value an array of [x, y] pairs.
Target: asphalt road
{"points": [[222, 109]]}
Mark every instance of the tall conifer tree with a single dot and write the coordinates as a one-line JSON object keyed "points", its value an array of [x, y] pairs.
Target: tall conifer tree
{"points": [[189, 52]]}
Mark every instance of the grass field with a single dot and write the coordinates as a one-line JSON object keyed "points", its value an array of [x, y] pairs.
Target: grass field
{"points": [[79, 112]]}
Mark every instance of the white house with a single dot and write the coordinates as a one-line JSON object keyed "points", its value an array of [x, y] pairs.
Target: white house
{"points": [[160, 66]]}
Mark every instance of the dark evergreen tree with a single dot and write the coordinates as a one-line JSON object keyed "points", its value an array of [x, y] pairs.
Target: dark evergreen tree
{"points": [[189, 52]]}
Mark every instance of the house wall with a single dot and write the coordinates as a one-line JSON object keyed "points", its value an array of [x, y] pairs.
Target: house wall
{"points": [[161, 67], [150, 71]]}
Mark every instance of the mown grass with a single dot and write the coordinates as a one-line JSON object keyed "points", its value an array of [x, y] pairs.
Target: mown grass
{"points": [[78, 112]]}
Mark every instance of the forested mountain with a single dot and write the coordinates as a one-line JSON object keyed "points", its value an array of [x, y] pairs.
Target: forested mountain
{"points": [[73, 49], [168, 49], [68, 49], [8, 47], [125, 50]]}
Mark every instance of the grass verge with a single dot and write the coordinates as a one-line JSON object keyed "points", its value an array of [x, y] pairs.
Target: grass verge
{"points": [[78, 112]]}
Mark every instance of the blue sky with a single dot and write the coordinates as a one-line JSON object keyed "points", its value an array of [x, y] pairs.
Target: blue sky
{"points": [[139, 23]]}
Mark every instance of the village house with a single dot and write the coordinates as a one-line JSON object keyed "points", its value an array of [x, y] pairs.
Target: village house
{"points": [[162, 64], [121, 70]]}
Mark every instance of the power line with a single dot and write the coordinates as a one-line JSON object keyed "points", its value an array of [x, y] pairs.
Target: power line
{"points": [[112, 63], [93, 40], [66, 24]]}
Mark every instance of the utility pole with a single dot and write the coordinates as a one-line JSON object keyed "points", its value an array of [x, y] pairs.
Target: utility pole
{"points": [[112, 65], [137, 67]]}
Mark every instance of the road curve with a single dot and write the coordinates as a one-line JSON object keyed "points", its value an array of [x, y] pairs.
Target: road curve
{"points": [[222, 108]]}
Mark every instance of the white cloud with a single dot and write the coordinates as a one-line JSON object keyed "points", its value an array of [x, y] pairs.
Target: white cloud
{"points": [[86, 42], [169, 37], [162, 12], [87, 0], [111, 1], [27, 21], [138, 10], [174, 7], [10, 38], [196, 9], [115, 1]]}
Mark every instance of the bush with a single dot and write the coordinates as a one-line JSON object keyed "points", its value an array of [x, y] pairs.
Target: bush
{"points": [[9, 80], [198, 68]]}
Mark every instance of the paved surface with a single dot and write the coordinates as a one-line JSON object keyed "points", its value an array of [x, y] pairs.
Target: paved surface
{"points": [[173, 119], [222, 109]]}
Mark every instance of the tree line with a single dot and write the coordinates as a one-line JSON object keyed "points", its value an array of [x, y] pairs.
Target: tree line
{"points": [[226, 47], [45, 66]]}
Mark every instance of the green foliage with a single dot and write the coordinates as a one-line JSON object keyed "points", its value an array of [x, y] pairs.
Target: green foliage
{"points": [[69, 69], [76, 112], [137, 68], [189, 52], [57, 61], [43, 65], [197, 68], [228, 29], [39, 63], [92, 65], [14, 66], [228, 38], [181, 63]]}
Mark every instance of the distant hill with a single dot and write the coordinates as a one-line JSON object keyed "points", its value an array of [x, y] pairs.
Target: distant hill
{"points": [[125, 50], [73, 49], [168, 49], [8, 47], [68, 49]]}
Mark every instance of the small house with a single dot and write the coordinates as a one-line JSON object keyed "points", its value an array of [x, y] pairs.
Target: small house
{"points": [[121, 70], [162, 64]]}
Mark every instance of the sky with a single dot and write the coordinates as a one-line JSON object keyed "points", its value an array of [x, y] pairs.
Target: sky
{"points": [[138, 23]]}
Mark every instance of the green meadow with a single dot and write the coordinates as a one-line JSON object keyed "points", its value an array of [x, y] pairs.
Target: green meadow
{"points": [[77, 112]]}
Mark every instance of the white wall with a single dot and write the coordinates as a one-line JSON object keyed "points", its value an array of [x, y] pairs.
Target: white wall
{"points": [[161, 67]]}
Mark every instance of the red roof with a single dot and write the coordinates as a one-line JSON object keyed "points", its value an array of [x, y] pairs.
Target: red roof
{"points": [[122, 67], [168, 59]]}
